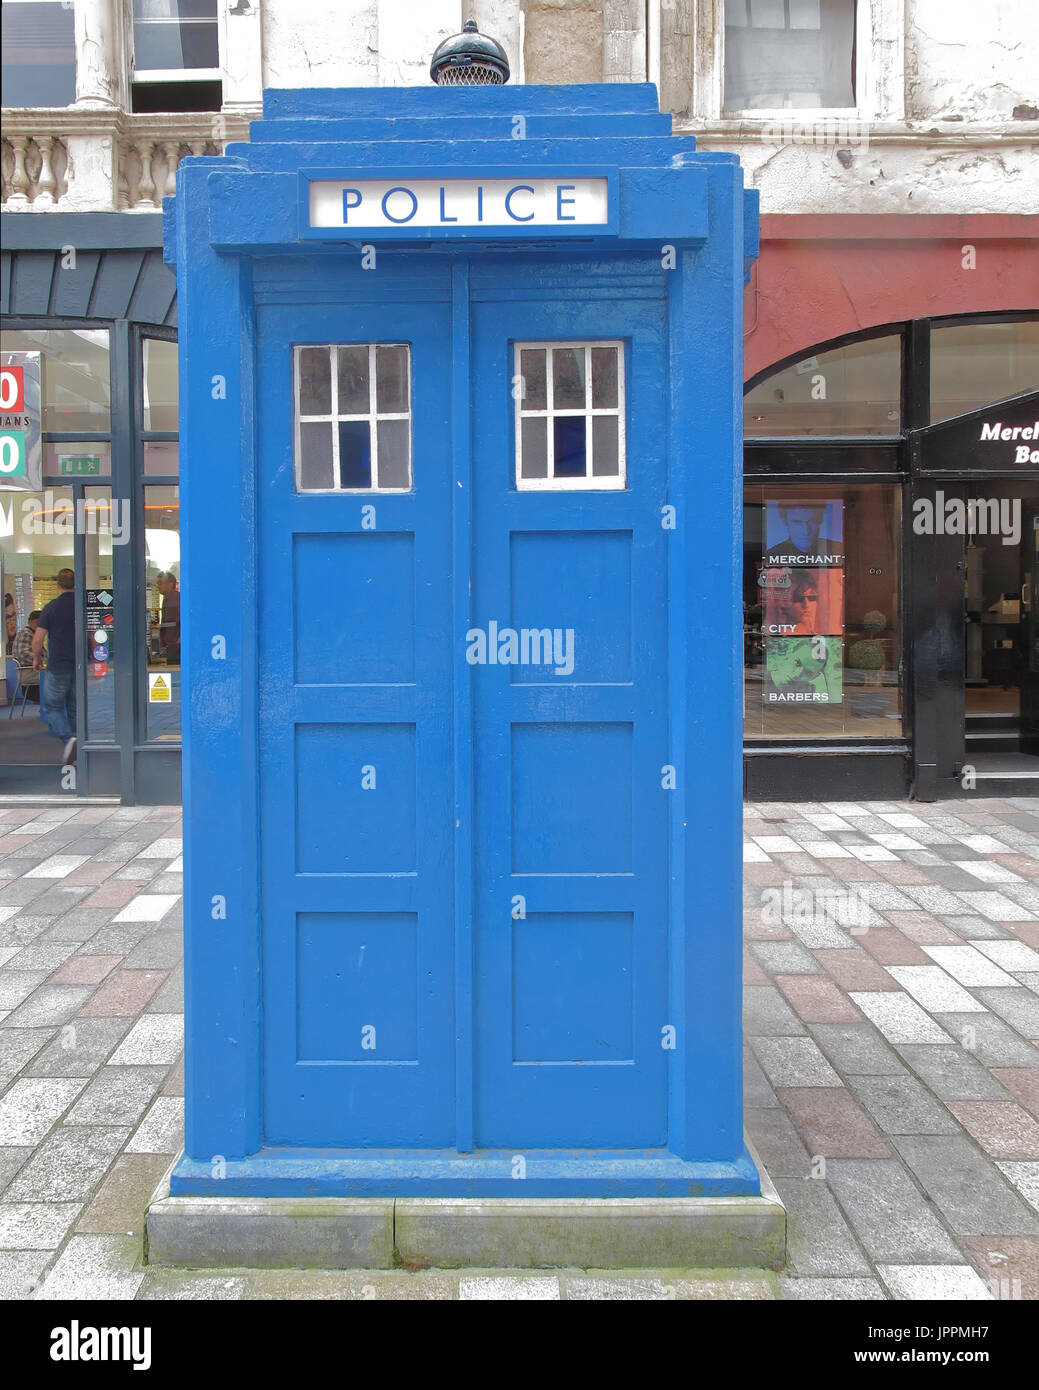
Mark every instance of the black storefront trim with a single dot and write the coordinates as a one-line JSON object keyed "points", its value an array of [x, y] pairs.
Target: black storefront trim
{"points": [[927, 763], [121, 284]]}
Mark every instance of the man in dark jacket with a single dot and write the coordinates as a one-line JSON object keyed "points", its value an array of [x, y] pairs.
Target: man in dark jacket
{"points": [[58, 686]]}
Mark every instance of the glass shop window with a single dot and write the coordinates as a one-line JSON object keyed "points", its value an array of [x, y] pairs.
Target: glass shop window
{"points": [[794, 55], [353, 417], [855, 389], [74, 376], [569, 416], [39, 48], [821, 612], [976, 364]]}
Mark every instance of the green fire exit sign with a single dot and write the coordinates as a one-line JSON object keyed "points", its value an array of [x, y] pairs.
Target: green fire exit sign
{"points": [[79, 465]]}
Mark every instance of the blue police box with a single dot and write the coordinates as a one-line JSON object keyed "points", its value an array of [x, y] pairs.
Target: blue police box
{"points": [[460, 383]]}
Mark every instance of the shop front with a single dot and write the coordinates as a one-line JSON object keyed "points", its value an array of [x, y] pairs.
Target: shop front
{"points": [[89, 484], [891, 490]]}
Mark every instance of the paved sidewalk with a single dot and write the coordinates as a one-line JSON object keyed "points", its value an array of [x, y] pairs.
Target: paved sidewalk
{"points": [[892, 1022]]}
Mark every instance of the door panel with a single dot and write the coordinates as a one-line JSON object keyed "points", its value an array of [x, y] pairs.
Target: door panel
{"points": [[570, 811], [356, 762]]}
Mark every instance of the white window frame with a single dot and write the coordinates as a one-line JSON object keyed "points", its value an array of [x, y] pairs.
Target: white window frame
{"points": [[879, 69], [148, 75], [372, 416], [610, 483]]}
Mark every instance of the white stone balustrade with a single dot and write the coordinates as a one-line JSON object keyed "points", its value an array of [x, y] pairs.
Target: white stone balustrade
{"points": [[74, 160]]}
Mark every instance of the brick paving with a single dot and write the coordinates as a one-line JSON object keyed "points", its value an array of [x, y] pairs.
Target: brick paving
{"points": [[892, 1061]]}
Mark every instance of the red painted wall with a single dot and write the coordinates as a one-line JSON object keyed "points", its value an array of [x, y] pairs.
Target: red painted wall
{"points": [[819, 277]]}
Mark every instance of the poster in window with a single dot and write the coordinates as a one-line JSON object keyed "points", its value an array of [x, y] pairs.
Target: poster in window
{"points": [[802, 603], [804, 534], [803, 670]]}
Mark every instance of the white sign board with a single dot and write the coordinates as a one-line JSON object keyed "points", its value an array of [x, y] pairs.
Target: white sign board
{"points": [[368, 204]]}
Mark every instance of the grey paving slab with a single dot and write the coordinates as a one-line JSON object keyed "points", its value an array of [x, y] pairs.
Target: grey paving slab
{"points": [[21, 1272], [777, 1143], [81, 923], [888, 1213], [902, 1105], [756, 1090], [68, 1165], [79, 1047], [819, 1240], [793, 1062], [990, 1040], [856, 1049], [94, 1267], [159, 950], [49, 1006], [968, 1189], [972, 928], [11, 1159], [35, 1225], [17, 1047], [785, 958], [42, 955], [117, 1095], [1018, 1007], [833, 1290], [951, 1073], [766, 1013]]}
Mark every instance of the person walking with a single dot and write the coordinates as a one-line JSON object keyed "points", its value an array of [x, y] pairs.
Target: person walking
{"points": [[57, 625]]}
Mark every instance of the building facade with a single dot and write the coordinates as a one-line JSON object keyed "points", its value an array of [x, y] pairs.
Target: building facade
{"points": [[891, 349]]}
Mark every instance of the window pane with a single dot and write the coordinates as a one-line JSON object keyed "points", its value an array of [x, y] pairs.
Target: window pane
{"points": [[394, 465], [100, 611], [315, 381], [315, 462], [534, 459], [160, 45], [355, 453], [74, 372], [821, 624], [604, 377], [849, 390], [605, 463], [974, 364], [532, 370], [798, 54], [161, 458], [569, 441], [160, 384], [353, 380], [39, 54], [162, 618], [91, 459], [568, 379], [391, 378]]}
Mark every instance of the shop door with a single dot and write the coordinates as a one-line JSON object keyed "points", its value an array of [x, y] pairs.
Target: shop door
{"points": [[355, 719], [570, 753]]}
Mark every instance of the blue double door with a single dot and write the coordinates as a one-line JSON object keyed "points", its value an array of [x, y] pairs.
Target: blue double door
{"points": [[464, 845]]}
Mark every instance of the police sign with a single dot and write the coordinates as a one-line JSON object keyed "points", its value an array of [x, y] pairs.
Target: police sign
{"points": [[523, 201]]}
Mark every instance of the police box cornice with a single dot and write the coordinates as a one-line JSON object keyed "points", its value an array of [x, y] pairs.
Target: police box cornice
{"points": [[492, 165]]}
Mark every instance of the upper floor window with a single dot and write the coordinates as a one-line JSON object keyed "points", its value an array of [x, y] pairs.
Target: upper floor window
{"points": [[975, 364], [176, 55], [789, 54], [39, 53]]}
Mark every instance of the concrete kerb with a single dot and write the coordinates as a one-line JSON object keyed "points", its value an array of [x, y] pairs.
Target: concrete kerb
{"points": [[463, 1233]]}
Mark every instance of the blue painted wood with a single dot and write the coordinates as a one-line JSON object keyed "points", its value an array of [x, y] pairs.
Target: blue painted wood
{"points": [[461, 564], [540, 935]]}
